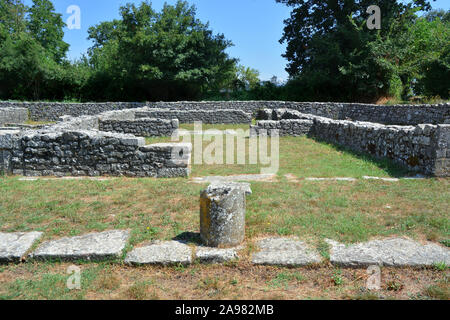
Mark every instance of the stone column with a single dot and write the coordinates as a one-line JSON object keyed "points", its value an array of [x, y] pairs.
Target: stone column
{"points": [[222, 215]]}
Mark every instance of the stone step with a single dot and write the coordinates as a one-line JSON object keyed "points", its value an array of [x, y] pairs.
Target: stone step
{"points": [[285, 252], [176, 252], [215, 255], [91, 247], [161, 253], [236, 178], [395, 252], [13, 246]]}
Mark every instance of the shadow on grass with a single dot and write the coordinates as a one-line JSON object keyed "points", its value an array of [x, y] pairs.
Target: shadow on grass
{"points": [[189, 238], [389, 166]]}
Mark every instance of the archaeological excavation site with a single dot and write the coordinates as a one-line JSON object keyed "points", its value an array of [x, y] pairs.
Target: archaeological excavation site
{"points": [[336, 199]]}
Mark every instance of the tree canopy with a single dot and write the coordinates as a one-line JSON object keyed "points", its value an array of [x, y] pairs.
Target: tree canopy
{"points": [[333, 55], [145, 55], [151, 55]]}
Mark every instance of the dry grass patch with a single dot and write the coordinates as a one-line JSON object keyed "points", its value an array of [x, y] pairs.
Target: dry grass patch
{"points": [[240, 281]]}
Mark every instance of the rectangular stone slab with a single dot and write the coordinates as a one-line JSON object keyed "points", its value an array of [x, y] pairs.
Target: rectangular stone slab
{"points": [[394, 252], [91, 247], [215, 255], [162, 253], [285, 252], [13, 246]]}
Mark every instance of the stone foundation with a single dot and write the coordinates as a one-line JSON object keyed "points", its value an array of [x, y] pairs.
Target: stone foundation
{"points": [[395, 114], [13, 115], [422, 148], [76, 147], [206, 116], [144, 127]]}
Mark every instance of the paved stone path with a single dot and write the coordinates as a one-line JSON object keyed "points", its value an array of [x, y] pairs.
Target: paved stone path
{"points": [[161, 252], [285, 252], [214, 255], [236, 178], [382, 179], [176, 252], [396, 252], [65, 178], [331, 179], [289, 252], [241, 178], [93, 247], [291, 178], [13, 246]]}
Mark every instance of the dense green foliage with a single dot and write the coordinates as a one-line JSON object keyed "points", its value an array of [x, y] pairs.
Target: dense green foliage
{"points": [[334, 56], [157, 56], [171, 55]]}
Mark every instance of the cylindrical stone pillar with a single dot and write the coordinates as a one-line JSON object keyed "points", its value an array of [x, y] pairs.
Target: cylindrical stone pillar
{"points": [[222, 215]]}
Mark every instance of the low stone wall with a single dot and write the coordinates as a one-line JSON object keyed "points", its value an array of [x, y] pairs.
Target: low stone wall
{"points": [[395, 114], [220, 116], [144, 127], [13, 115], [75, 147], [94, 153], [51, 111], [422, 148], [414, 147], [282, 114], [8, 141], [283, 128]]}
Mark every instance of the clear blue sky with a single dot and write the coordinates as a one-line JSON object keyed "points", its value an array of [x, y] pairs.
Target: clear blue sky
{"points": [[254, 26]]}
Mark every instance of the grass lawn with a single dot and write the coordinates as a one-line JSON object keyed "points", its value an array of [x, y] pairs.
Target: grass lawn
{"points": [[165, 208]]}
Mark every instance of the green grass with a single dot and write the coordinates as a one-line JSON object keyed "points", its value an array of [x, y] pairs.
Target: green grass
{"points": [[301, 156], [167, 208]]}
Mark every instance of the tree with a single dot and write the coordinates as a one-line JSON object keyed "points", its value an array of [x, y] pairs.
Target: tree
{"points": [[46, 27], [147, 55], [249, 77], [328, 46], [31, 50], [12, 18], [431, 46]]}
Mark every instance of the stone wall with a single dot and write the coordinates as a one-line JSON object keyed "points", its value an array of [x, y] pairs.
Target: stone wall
{"points": [[421, 148], [95, 153], [13, 115], [51, 111], [283, 128], [413, 147], [8, 139], [75, 147], [396, 114], [144, 127], [221, 116], [442, 165]]}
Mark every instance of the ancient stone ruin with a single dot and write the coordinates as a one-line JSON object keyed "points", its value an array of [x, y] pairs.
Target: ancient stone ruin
{"points": [[96, 139], [420, 147], [111, 143], [222, 215]]}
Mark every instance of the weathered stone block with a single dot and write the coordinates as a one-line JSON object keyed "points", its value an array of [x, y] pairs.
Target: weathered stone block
{"points": [[222, 215], [161, 252], [13, 246], [92, 247], [285, 252], [395, 252]]}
